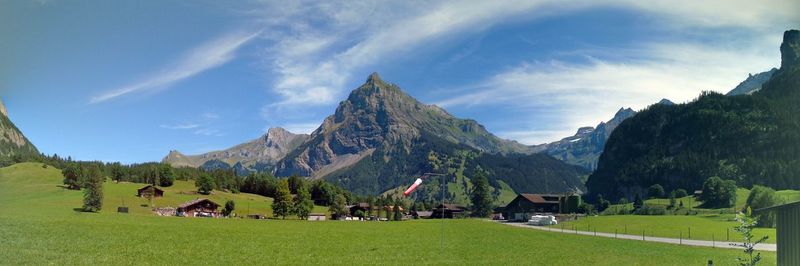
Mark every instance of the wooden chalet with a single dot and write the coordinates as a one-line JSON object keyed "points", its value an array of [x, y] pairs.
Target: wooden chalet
{"points": [[157, 192], [198, 208], [448, 211], [525, 205]]}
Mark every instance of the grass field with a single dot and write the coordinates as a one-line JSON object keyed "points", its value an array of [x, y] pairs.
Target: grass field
{"points": [[39, 226], [703, 227]]}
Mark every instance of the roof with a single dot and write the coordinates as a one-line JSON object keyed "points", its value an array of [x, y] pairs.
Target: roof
{"points": [[787, 205], [316, 214], [154, 187], [452, 207], [196, 201], [424, 213], [539, 198]]}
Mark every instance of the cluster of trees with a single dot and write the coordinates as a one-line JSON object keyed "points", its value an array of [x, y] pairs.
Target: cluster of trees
{"points": [[748, 139], [718, 193]]}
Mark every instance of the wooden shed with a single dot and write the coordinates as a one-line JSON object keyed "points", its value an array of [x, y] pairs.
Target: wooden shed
{"points": [[788, 232], [157, 192], [316, 217], [198, 208]]}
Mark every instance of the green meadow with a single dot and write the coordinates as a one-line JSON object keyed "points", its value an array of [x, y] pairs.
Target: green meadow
{"points": [[39, 225]]}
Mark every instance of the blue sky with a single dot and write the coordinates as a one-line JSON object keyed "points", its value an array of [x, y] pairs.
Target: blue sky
{"points": [[130, 80]]}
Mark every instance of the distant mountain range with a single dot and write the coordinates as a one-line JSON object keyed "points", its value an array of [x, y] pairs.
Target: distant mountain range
{"points": [[12, 141], [380, 138], [752, 138]]}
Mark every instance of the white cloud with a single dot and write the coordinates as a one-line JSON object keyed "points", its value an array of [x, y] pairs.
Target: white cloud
{"points": [[180, 126], [204, 57], [584, 94]]}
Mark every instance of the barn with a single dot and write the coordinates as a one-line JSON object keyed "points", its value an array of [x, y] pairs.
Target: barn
{"points": [[157, 192], [525, 205], [198, 208], [788, 232], [448, 211]]}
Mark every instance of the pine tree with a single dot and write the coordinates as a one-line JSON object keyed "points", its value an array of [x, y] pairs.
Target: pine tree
{"points": [[398, 215], [282, 204], [72, 173], [230, 206], [481, 197], [93, 195], [302, 202]]}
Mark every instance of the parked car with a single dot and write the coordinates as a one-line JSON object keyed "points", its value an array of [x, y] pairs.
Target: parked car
{"points": [[542, 220]]}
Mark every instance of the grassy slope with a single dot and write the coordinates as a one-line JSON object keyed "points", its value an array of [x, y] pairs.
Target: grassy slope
{"points": [[38, 226], [708, 222]]}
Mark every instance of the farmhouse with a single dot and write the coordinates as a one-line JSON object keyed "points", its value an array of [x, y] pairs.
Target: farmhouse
{"points": [[421, 214], [198, 208], [157, 192], [788, 232], [448, 211], [363, 207], [525, 205], [316, 217]]}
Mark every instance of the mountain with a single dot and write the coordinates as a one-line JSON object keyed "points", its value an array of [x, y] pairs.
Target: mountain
{"points": [[260, 154], [380, 137], [753, 83], [12, 141], [752, 139], [584, 148]]}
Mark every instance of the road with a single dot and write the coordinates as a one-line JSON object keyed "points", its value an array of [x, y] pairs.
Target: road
{"points": [[687, 242]]}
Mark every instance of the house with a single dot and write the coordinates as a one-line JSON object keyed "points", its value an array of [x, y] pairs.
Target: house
{"points": [[787, 233], [421, 214], [525, 205], [198, 208], [157, 192], [316, 217], [448, 211], [363, 207]]}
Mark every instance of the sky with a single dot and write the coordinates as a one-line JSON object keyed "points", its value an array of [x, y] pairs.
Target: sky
{"points": [[129, 81]]}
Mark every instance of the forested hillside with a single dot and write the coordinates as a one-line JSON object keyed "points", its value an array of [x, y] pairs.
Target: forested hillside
{"points": [[752, 139]]}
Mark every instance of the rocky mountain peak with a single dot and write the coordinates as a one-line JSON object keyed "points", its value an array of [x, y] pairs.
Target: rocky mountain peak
{"points": [[3, 108], [790, 49], [624, 113]]}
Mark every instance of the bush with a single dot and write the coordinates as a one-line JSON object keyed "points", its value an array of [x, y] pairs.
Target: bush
{"points": [[655, 191], [762, 197], [229, 207], [651, 210], [718, 193], [681, 193], [587, 209]]}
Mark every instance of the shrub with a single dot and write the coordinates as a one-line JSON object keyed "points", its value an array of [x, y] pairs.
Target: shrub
{"points": [[655, 191], [762, 197], [651, 210], [681, 193]]}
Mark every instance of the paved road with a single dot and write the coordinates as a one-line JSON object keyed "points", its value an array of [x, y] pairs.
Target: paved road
{"points": [[688, 242]]}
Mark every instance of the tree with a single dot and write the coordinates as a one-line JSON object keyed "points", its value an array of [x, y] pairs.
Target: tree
{"points": [[204, 184], [718, 193], [72, 173], [282, 203], [681, 193], [637, 201], [746, 224], [117, 172], [602, 204], [481, 196], [672, 200], [398, 216], [380, 202], [371, 202], [230, 206], [762, 197], [303, 203], [166, 177], [93, 195], [655, 191], [339, 209], [295, 182]]}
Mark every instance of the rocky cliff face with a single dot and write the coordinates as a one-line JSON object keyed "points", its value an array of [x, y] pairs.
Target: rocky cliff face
{"points": [[753, 83], [12, 141], [584, 148], [380, 115], [262, 152]]}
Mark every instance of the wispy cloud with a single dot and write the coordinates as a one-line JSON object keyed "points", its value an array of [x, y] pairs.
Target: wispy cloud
{"points": [[584, 94], [180, 126], [204, 57]]}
